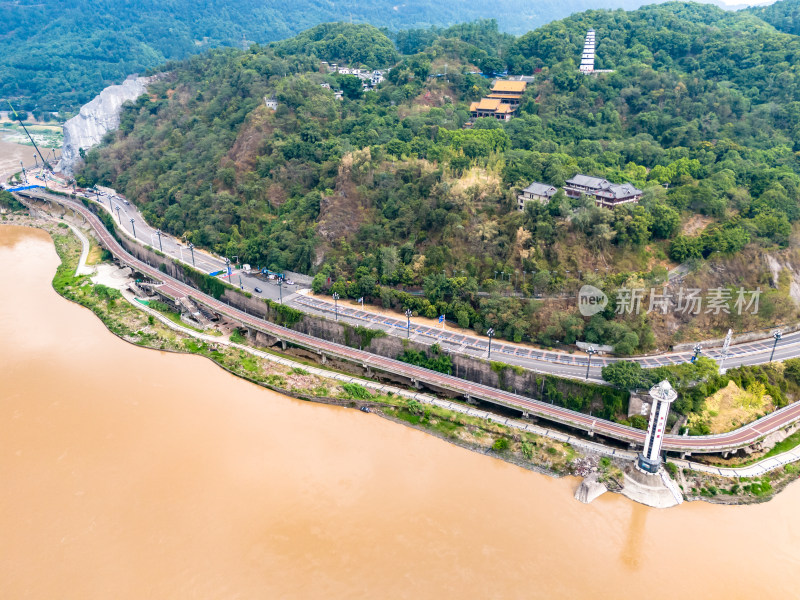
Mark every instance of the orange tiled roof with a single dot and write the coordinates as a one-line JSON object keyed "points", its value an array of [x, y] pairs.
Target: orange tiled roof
{"points": [[509, 86], [491, 105], [504, 96], [488, 104]]}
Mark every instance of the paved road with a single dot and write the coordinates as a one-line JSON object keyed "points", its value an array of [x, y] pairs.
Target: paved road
{"points": [[175, 248], [741, 437], [558, 363], [757, 469]]}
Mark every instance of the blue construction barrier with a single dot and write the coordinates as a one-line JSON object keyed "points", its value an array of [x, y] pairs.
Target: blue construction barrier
{"points": [[25, 187]]}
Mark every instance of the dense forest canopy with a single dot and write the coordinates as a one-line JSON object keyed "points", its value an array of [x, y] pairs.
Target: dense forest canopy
{"points": [[58, 55], [386, 191], [783, 16]]}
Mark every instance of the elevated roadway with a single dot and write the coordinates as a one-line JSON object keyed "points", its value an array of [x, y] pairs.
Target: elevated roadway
{"points": [[697, 444]]}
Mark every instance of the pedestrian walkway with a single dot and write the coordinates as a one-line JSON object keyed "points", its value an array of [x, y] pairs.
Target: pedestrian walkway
{"points": [[757, 469]]}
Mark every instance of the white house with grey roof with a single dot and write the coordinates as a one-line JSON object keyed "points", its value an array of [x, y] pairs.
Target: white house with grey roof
{"points": [[605, 193], [541, 192]]}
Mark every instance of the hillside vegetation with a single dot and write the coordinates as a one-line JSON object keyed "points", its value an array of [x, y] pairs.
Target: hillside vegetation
{"points": [[385, 191], [57, 55], [783, 15]]}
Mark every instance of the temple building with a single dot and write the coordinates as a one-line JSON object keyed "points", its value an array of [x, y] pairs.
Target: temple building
{"points": [[587, 58], [508, 92], [589, 54], [502, 102], [540, 192], [489, 107], [604, 193]]}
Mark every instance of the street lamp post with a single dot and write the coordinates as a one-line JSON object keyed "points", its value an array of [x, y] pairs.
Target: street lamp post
{"points": [[133, 227], [119, 218], [777, 335], [590, 351], [191, 249], [408, 322], [158, 233], [490, 333], [336, 304]]}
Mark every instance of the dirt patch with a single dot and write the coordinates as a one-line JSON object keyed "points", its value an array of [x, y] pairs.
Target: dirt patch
{"points": [[95, 253], [251, 138], [696, 224], [479, 178], [343, 212], [732, 407]]}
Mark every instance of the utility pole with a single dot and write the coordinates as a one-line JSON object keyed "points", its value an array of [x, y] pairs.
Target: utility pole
{"points": [[191, 249], [490, 333], [590, 351], [133, 227], [408, 322], [119, 218], [158, 233], [336, 304], [777, 335], [280, 291]]}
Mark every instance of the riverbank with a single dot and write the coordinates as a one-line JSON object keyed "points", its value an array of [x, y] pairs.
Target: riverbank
{"points": [[143, 327]]}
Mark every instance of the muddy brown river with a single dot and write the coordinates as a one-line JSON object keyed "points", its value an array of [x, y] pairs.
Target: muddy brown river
{"points": [[130, 473]]}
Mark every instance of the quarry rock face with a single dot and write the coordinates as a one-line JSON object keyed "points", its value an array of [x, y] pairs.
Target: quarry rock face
{"points": [[95, 119]]}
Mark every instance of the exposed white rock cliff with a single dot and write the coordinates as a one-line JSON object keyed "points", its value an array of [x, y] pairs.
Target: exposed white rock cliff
{"points": [[95, 119]]}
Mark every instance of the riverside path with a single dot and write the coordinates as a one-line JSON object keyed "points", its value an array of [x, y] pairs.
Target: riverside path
{"points": [[741, 437]]}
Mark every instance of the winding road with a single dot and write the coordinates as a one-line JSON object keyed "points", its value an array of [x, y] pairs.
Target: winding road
{"points": [[696, 444], [563, 364]]}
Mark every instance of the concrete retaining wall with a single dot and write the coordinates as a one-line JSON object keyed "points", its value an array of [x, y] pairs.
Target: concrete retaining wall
{"points": [[514, 379]]}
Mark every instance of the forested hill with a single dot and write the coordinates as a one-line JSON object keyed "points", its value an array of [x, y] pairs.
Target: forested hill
{"points": [[60, 54], [783, 15], [384, 191]]}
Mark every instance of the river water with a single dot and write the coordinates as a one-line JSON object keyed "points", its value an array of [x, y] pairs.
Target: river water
{"points": [[130, 473]]}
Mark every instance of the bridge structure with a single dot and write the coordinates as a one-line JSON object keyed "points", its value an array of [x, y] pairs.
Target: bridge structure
{"points": [[685, 445]]}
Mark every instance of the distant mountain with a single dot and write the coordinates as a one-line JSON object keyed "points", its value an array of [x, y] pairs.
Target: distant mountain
{"points": [[59, 55], [783, 16]]}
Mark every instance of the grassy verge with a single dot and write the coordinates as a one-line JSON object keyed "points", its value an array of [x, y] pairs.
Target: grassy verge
{"points": [[742, 490], [523, 448]]}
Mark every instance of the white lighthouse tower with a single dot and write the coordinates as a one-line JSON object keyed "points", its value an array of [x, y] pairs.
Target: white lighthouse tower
{"points": [[663, 395]]}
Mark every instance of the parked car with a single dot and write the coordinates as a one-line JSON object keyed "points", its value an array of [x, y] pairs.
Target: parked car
{"points": [[257, 290], [289, 282]]}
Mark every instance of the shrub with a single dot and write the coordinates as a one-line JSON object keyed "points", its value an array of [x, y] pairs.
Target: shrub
{"points": [[500, 445], [356, 392], [527, 450]]}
